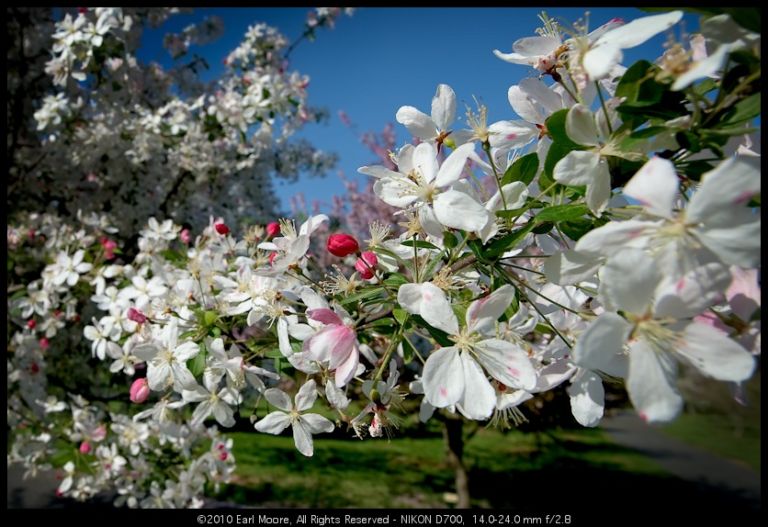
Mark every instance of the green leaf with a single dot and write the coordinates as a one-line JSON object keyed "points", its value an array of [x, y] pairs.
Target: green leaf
{"points": [[400, 315], [440, 336], [744, 110], [649, 131], [368, 293], [556, 128], [558, 213], [196, 364], [500, 245], [395, 280], [556, 152], [523, 169], [629, 85], [449, 240], [420, 244]]}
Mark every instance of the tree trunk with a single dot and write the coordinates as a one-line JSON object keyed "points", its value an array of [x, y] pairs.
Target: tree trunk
{"points": [[455, 442]]}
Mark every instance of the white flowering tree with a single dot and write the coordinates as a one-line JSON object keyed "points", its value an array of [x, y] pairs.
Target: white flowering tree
{"points": [[619, 242]]}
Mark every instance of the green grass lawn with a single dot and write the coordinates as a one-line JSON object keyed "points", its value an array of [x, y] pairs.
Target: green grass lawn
{"points": [[505, 470], [718, 424]]}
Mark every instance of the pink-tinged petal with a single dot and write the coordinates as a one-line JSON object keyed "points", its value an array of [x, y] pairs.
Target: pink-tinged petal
{"points": [[452, 167], [479, 397], [744, 292], [443, 377], [273, 423], [655, 187], [651, 383], [692, 293], [580, 126], [306, 396], [346, 369], [325, 315], [457, 210], [507, 363], [430, 302], [482, 314], [507, 135], [278, 399], [323, 343], [587, 398], [345, 343], [628, 281], [443, 106], [639, 30], [418, 123], [600, 346], [714, 354]]}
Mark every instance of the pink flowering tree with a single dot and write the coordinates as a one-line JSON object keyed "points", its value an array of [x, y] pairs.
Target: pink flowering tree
{"points": [[619, 242]]}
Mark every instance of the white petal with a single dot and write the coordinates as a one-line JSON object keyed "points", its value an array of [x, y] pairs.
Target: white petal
{"points": [[655, 187], [348, 368], [507, 135], [302, 438], [398, 192], [570, 267], [599, 190], [278, 399], [523, 105], [425, 161], [479, 397], [578, 167], [536, 45], [379, 172], [443, 106], [306, 396], [418, 123], [430, 302], [457, 210], [599, 60], [452, 167], [600, 346], [587, 399], [607, 239], [715, 354], [702, 68], [507, 363], [639, 30], [443, 377], [651, 383], [628, 281], [731, 184], [202, 411], [580, 126], [317, 424], [273, 423], [738, 244]]}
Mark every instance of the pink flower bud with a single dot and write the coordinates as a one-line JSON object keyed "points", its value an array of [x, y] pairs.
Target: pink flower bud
{"points": [[137, 316], [342, 245], [139, 390], [185, 236], [31, 323], [273, 229], [223, 456], [85, 447], [44, 343], [109, 247], [221, 228], [365, 264], [272, 257]]}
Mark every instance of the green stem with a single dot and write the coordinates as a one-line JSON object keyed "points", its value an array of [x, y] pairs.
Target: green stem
{"points": [[605, 108], [390, 350]]}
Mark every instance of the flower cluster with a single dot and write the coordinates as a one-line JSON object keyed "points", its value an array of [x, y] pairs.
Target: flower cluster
{"points": [[620, 240]]}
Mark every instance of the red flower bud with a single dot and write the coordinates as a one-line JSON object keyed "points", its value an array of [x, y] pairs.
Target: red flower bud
{"points": [[221, 228], [272, 257], [85, 447], [44, 343], [223, 456], [31, 323], [185, 236], [365, 264], [139, 390], [137, 316], [273, 229], [342, 245]]}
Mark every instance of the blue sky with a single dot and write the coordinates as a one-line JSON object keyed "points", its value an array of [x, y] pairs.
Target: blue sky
{"points": [[382, 58]]}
